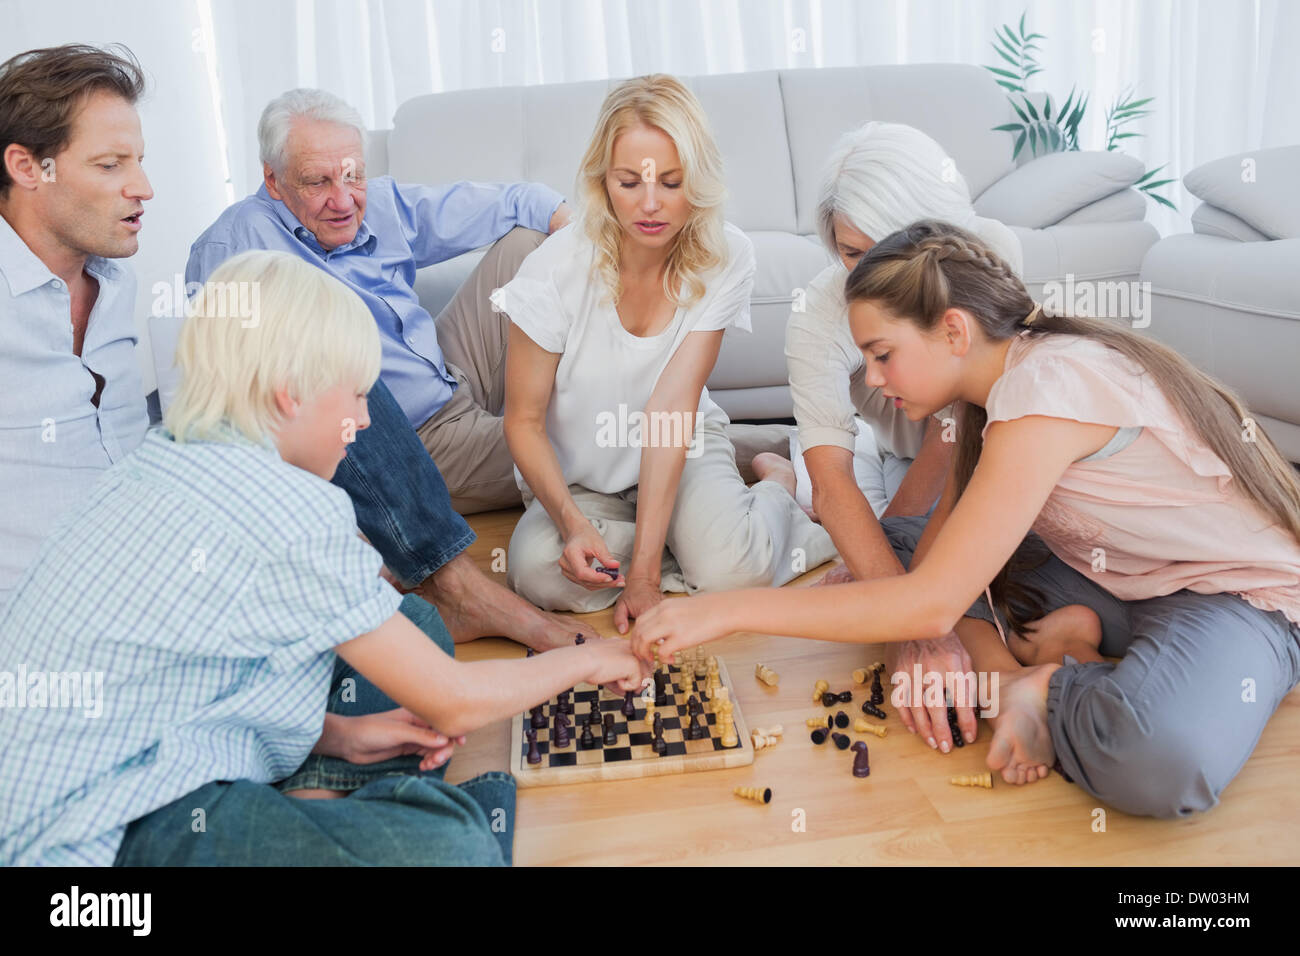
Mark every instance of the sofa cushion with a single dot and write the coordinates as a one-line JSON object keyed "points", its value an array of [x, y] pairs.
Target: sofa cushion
{"points": [[1260, 188], [1045, 191], [1210, 220], [1127, 205]]}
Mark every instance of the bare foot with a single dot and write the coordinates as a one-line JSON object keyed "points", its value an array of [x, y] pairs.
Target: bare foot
{"points": [[769, 466], [1074, 629], [840, 574], [472, 605], [1022, 745]]}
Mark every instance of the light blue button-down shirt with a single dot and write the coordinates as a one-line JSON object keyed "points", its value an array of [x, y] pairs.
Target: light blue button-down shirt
{"points": [[54, 442], [405, 228], [210, 581]]}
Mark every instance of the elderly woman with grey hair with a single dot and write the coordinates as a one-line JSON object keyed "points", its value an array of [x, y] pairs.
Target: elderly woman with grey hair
{"points": [[856, 457]]}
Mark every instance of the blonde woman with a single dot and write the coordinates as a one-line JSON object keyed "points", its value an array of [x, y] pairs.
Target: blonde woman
{"points": [[1174, 544], [222, 581], [856, 455], [617, 320]]}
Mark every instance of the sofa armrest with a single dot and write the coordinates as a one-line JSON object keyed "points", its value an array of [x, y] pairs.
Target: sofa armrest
{"points": [[1127, 205], [1044, 192]]}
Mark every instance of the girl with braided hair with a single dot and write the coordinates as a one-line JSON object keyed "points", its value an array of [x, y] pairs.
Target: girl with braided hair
{"points": [[1165, 533]]}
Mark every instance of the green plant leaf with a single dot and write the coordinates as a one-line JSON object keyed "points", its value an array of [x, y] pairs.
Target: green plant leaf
{"points": [[1013, 42], [1013, 87], [1047, 107], [1157, 184], [1001, 72], [1119, 136], [1020, 142], [1149, 173], [1019, 111], [1023, 14], [1010, 127], [1033, 140], [1029, 73], [1030, 106], [1163, 201]]}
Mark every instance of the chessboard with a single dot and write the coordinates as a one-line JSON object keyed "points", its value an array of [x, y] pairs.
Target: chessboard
{"points": [[632, 755]]}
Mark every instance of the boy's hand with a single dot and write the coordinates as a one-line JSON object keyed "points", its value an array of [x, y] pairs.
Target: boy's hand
{"points": [[614, 664], [674, 625], [395, 733]]}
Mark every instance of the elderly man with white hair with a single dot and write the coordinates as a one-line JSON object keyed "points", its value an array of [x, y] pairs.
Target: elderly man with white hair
{"points": [[856, 456], [442, 381]]}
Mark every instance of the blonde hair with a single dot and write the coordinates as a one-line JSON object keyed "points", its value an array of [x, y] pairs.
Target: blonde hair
{"points": [[919, 272], [662, 102], [265, 321]]}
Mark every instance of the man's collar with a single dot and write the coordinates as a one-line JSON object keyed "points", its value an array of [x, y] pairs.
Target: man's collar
{"points": [[364, 238], [24, 270]]}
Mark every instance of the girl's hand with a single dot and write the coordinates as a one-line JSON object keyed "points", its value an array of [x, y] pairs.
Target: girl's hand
{"points": [[395, 733], [613, 663], [672, 626], [580, 548], [639, 595], [944, 656]]}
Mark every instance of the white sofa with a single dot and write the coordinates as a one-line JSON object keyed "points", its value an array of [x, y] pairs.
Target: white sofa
{"points": [[1227, 295], [1074, 213]]}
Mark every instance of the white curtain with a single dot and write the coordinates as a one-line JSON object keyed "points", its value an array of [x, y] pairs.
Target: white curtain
{"points": [[1224, 73]]}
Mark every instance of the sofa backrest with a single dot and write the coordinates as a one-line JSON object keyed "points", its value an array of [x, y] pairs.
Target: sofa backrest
{"points": [[774, 129]]}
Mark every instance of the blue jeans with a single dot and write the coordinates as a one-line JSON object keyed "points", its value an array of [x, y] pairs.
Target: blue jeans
{"points": [[395, 814], [401, 501]]}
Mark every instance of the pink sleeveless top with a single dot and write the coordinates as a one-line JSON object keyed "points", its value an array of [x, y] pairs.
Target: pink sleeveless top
{"points": [[1163, 513]]}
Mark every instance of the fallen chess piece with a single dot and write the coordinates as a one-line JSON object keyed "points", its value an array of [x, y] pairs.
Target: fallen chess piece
{"points": [[814, 722], [869, 708], [820, 688], [757, 794], [766, 738], [864, 726], [841, 740], [768, 676], [819, 735], [984, 780], [841, 720], [860, 675]]}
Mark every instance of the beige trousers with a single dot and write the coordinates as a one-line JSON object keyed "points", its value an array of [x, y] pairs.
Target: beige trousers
{"points": [[721, 535], [466, 438]]}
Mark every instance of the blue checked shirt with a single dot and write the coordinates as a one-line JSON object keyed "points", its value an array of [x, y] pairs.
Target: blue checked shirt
{"points": [[207, 582], [54, 441], [405, 228]]}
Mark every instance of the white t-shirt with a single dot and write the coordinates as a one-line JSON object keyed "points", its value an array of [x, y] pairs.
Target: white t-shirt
{"points": [[606, 374]]}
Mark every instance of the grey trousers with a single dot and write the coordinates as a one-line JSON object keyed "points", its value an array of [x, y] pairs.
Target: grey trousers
{"points": [[1162, 732], [721, 535]]}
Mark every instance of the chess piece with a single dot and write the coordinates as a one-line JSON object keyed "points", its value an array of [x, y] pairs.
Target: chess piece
{"points": [[844, 696], [560, 733], [729, 738], [877, 692], [611, 738], [757, 794], [661, 690], [819, 721], [693, 705], [699, 669], [650, 714], [984, 780], [768, 737], [768, 676], [530, 653], [955, 728], [534, 755], [629, 704], [611, 572], [658, 727], [695, 730], [819, 735], [820, 688], [863, 726], [563, 705], [578, 639], [861, 762], [659, 745], [869, 708], [860, 675], [587, 740], [539, 718], [841, 720], [830, 699], [594, 715]]}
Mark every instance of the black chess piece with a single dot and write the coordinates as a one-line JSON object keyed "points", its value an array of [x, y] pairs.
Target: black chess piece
{"points": [[869, 708], [611, 738], [844, 696], [830, 699], [695, 730], [693, 706], [577, 639], [877, 692], [587, 740], [841, 740], [594, 715], [538, 720], [841, 720], [861, 761], [629, 704], [530, 653], [560, 732], [819, 735], [659, 725], [659, 745], [534, 755], [661, 691]]}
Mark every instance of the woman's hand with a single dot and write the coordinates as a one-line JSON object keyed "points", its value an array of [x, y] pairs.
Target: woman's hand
{"points": [[613, 663], [639, 596], [394, 733], [580, 547], [943, 656], [672, 626]]}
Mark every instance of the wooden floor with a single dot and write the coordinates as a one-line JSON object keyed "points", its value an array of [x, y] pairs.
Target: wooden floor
{"points": [[904, 813]]}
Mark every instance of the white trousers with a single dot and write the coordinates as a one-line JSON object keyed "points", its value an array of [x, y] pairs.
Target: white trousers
{"points": [[721, 535], [878, 473]]}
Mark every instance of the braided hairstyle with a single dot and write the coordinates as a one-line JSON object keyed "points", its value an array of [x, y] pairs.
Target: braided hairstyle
{"points": [[922, 270]]}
